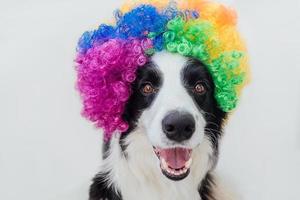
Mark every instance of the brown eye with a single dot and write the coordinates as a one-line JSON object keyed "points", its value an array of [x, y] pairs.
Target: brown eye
{"points": [[200, 88], [148, 89]]}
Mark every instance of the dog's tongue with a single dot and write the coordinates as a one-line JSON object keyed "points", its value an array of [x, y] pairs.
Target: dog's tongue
{"points": [[175, 157]]}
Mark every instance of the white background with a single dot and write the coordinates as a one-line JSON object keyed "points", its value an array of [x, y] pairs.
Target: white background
{"points": [[49, 152]]}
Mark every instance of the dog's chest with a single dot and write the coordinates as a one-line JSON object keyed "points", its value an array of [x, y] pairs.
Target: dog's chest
{"points": [[145, 191], [150, 185]]}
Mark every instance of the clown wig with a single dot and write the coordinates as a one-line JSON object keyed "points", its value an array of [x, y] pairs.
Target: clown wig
{"points": [[108, 57]]}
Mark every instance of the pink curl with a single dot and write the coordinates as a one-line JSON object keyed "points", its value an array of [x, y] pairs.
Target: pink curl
{"points": [[105, 73]]}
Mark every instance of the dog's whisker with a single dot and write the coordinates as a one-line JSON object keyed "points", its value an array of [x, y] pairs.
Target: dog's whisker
{"points": [[210, 114], [213, 130], [213, 123]]}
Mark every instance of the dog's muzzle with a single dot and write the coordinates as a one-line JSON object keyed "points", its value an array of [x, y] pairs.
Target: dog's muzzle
{"points": [[175, 161]]}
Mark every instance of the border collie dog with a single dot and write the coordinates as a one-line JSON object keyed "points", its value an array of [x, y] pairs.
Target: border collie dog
{"points": [[172, 144]]}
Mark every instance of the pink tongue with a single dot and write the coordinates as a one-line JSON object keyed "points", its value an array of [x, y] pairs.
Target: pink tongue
{"points": [[175, 157]]}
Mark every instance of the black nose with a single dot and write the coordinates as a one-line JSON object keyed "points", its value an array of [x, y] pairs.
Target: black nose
{"points": [[178, 126]]}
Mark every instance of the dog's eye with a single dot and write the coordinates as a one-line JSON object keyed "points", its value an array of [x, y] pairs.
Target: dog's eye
{"points": [[200, 88], [148, 88]]}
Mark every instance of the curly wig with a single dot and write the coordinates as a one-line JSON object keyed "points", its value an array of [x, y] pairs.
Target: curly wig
{"points": [[108, 57]]}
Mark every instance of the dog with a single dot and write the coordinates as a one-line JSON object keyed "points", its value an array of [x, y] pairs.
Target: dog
{"points": [[161, 82], [171, 147]]}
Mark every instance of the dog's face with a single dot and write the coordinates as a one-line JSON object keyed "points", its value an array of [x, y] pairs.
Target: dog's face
{"points": [[173, 101]]}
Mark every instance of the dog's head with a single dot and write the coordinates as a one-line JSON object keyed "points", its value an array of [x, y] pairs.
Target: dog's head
{"points": [[173, 102], [167, 70]]}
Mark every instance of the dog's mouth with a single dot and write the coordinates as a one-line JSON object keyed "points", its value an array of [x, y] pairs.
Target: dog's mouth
{"points": [[175, 163]]}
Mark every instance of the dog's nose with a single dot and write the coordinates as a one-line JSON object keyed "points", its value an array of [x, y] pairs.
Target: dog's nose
{"points": [[178, 126]]}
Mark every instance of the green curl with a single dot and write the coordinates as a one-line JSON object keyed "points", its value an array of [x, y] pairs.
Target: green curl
{"points": [[195, 39]]}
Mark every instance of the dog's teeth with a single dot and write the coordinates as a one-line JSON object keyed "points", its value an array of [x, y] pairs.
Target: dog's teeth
{"points": [[188, 163], [164, 163], [185, 170], [173, 172]]}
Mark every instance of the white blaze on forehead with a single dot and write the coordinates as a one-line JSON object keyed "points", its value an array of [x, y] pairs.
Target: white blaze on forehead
{"points": [[172, 96], [172, 93], [171, 66]]}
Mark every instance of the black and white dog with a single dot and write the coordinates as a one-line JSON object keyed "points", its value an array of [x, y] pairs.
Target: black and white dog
{"points": [[172, 144]]}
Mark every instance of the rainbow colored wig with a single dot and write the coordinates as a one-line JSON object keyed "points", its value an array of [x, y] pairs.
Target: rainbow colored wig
{"points": [[108, 57]]}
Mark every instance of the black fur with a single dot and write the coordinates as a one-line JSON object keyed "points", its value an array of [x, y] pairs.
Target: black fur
{"points": [[100, 190], [205, 189]]}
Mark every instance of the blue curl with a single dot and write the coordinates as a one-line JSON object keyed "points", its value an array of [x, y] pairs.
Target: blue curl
{"points": [[137, 23], [85, 42], [104, 32], [158, 43]]}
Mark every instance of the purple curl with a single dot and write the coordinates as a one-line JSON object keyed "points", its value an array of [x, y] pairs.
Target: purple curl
{"points": [[105, 73]]}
